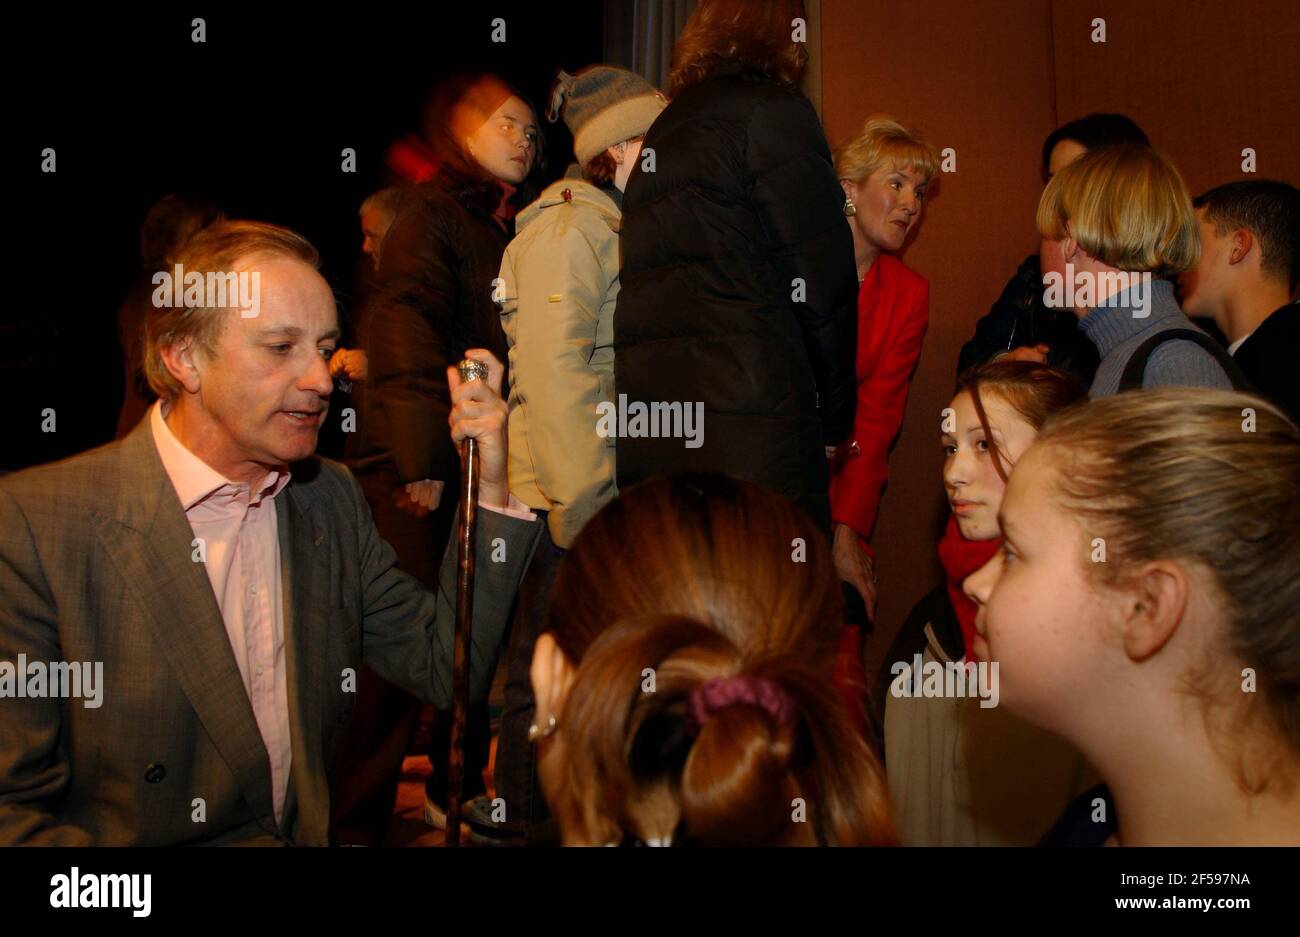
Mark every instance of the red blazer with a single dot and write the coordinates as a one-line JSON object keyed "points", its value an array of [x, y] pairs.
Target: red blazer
{"points": [[893, 312]]}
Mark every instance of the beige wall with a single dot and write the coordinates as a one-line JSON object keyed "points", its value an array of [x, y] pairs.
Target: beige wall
{"points": [[991, 79]]}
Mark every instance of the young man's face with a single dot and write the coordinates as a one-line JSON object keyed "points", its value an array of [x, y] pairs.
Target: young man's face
{"points": [[1202, 288], [1063, 154], [264, 394], [1051, 259]]}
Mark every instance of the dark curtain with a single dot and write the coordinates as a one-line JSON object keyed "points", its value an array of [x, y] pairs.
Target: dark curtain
{"points": [[640, 34]]}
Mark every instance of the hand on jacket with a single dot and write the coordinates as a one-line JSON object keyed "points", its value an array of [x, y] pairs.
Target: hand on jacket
{"points": [[854, 565], [1036, 353], [419, 498], [478, 411]]}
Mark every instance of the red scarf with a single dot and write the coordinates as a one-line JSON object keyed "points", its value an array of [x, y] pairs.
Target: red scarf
{"points": [[961, 557], [505, 212]]}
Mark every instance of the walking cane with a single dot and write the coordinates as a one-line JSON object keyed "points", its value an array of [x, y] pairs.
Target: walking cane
{"points": [[466, 527]]}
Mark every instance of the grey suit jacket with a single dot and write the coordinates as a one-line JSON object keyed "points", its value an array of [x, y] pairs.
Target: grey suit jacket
{"points": [[96, 566]]}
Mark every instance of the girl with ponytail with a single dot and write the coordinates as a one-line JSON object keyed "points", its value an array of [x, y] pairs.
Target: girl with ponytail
{"points": [[1145, 606], [683, 682]]}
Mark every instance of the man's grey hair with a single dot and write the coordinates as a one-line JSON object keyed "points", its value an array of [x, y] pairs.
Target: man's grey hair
{"points": [[385, 201]]}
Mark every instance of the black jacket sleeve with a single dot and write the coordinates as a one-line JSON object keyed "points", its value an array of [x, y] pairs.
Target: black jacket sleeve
{"points": [[1019, 318], [1006, 325], [409, 631], [799, 202], [410, 321]]}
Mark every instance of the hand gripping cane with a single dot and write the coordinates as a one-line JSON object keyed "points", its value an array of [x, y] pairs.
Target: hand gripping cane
{"points": [[466, 528]]}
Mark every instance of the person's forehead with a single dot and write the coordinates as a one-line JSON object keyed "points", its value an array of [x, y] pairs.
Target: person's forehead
{"points": [[902, 167], [1003, 415], [286, 273], [1068, 147], [1013, 513], [995, 408], [1028, 480], [1064, 153], [517, 110], [967, 420], [292, 292], [963, 407]]}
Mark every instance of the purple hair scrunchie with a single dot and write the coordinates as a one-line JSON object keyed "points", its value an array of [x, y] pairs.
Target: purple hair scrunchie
{"points": [[721, 692]]}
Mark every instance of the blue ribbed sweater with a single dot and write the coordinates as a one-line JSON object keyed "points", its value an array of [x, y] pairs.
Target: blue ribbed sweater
{"points": [[1117, 334]]}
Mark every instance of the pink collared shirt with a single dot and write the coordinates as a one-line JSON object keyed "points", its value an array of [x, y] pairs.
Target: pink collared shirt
{"points": [[240, 542]]}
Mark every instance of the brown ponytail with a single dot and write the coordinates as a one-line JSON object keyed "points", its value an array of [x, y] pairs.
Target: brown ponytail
{"points": [[679, 583], [1211, 477]]}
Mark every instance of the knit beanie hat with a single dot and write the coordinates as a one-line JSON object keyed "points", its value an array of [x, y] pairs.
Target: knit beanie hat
{"points": [[604, 105]]}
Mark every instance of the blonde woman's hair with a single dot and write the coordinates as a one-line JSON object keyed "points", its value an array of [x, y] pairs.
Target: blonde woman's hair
{"points": [[882, 141], [219, 248], [1128, 207], [1211, 477]]}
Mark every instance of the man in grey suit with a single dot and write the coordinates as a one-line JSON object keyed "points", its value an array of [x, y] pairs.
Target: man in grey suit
{"points": [[218, 583]]}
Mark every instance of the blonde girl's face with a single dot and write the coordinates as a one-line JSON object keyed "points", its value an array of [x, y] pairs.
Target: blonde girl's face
{"points": [[1040, 616], [970, 480]]}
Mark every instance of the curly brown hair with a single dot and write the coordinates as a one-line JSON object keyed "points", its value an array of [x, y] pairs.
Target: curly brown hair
{"points": [[757, 35]]}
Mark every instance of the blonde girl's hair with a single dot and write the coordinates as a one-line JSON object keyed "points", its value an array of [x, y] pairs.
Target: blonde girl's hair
{"points": [[1211, 477]]}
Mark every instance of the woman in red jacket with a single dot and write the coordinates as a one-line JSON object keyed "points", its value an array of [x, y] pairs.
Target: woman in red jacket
{"points": [[885, 171]]}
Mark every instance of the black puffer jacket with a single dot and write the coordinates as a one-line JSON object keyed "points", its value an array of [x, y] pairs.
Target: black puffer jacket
{"points": [[743, 200], [1019, 318], [433, 299]]}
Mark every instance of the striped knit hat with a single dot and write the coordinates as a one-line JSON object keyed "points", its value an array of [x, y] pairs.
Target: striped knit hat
{"points": [[603, 105]]}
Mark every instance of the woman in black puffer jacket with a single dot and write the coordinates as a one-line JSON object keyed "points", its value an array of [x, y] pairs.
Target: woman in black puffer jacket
{"points": [[433, 293], [738, 283], [433, 299]]}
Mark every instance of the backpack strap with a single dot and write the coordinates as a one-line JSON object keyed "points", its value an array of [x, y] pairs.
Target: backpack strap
{"points": [[1136, 366]]}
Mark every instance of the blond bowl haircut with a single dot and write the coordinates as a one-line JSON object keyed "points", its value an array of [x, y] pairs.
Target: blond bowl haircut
{"points": [[884, 141], [1176, 474], [219, 248], [1128, 207]]}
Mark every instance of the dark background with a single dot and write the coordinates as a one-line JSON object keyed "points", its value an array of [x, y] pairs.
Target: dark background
{"points": [[255, 118]]}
